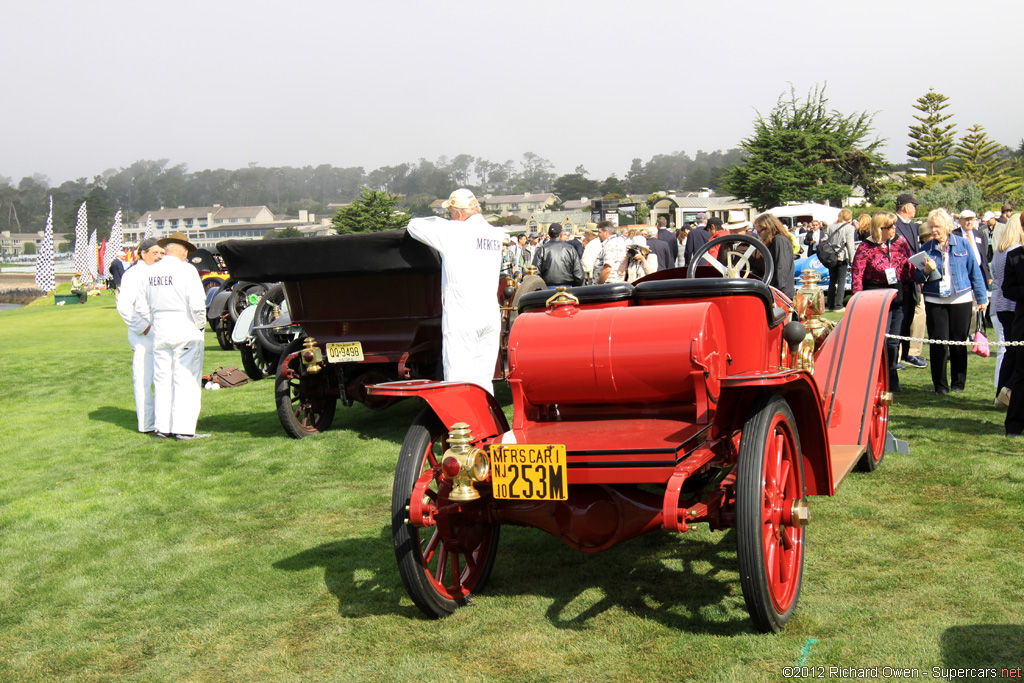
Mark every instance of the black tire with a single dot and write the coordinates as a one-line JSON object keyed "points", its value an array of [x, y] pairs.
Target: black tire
{"points": [[224, 328], [267, 311], [473, 543], [249, 364], [305, 404], [769, 478], [241, 297]]}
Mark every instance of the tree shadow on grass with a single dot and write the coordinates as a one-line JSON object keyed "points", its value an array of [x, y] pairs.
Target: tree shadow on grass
{"points": [[983, 646], [685, 584], [360, 572]]}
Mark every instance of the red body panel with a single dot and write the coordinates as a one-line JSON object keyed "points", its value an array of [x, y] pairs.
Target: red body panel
{"points": [[847, 365]]}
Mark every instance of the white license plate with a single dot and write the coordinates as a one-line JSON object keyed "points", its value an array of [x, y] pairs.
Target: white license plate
{"points": [[529, 472], [344, 352]]}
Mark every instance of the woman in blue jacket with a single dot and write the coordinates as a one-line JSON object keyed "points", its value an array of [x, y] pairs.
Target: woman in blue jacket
{"points": [[950, 300]]}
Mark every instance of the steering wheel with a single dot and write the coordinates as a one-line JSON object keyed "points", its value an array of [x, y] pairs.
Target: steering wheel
{"points": [[737, 263]]}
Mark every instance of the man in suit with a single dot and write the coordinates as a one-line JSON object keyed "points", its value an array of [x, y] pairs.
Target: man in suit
{"points": [[659, 249], [977, 239], [913, 303], [666, 236], [699, 236]]}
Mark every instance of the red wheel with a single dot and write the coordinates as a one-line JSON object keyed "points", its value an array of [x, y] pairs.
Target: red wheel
{"points": [[878, 421], [442, 566], [769, 500], [305, 403]]}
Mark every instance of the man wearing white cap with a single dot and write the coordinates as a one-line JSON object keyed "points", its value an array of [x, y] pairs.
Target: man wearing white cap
{"points": [[174, 304], [140, 335], [470, 249], [977, 239]]}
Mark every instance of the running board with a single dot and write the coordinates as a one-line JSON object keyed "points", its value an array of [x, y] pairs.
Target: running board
{"points": [[843, 459]]}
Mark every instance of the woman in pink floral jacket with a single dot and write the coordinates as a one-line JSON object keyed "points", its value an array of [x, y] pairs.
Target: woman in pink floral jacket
{"points": [[882, 262]]}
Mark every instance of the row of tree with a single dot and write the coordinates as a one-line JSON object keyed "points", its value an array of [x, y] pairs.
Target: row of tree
{"points": [[805, 151], [148, 185]]}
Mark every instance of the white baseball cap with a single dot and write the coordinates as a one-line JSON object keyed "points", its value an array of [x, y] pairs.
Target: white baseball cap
{"points": [[460, 199], [967, 213], [989, 215]]}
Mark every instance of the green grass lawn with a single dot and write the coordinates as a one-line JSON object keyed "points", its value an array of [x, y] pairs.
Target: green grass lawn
{"points": [[253, 557]]}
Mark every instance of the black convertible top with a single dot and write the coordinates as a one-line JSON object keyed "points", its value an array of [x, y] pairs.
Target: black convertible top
{"points": [[307, 258]]}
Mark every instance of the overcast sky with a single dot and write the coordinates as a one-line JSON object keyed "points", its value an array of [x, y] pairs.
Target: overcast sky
{"points": [[223, 83]]}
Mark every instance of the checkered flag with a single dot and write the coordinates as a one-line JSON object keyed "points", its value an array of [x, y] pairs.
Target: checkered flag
{"points": [[82, 241], [44, 259], [91, 257], [114, 245], [149, 227]]}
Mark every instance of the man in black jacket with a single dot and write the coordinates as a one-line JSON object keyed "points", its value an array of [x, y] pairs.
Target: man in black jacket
{"points": [[557, 261], [913, 302], [668, 238], [699, 236]]}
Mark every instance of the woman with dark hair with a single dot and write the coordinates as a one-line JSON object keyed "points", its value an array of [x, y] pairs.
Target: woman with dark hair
{"points": [[950, 300], [774, 234], [882, 262]]}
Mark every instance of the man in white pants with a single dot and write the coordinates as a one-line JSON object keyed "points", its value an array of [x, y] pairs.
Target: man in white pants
{"points": [[470, 249], [174, 304], [140, 336]]}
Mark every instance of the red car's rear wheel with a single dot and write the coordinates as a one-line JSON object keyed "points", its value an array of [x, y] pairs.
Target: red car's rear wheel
{"points": [[441, 566], [878, 421], [770, 539]]}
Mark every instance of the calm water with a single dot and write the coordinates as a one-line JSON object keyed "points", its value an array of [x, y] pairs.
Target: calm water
{"points": [[7, 307]]}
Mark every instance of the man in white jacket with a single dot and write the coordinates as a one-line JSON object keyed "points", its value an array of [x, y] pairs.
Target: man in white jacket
{"points": [[175, 305], [140, 336], [470, 249]]}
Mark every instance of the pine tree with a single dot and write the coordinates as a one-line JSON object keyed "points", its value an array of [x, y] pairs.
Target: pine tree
{"points": [[976, 158], [932, 140], [372, 212], [804, 151]]}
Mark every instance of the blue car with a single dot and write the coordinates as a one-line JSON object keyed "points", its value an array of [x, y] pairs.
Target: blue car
{"points": [[812, 262]]}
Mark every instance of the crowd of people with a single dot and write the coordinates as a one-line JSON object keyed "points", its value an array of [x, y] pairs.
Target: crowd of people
{"points": [[943, 272]]}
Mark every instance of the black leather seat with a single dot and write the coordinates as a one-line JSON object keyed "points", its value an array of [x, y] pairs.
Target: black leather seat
{"points": [[704, 288], [590, 294]]}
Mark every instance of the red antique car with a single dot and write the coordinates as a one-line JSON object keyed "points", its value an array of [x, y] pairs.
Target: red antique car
{"points": [[682, 399]]}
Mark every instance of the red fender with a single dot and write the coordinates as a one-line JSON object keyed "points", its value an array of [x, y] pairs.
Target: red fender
{"points": [[856, 343], [453, 402], [801, 393]]}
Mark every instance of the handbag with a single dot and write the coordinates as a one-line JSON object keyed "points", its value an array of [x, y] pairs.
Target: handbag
{"points": [[980, 340], [229, 377]]}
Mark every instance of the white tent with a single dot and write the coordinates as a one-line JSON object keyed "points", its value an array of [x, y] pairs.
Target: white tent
{"points": [[792, 214]]}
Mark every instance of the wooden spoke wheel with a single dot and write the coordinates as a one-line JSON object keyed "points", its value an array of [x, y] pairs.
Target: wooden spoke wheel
{"points": [[442, 566], [224, 327], [257, 361], [770, 539], [878, 420], [305, 403]]}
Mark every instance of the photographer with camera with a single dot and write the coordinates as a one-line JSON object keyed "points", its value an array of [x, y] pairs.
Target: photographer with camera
{"points": [[640, 260]]}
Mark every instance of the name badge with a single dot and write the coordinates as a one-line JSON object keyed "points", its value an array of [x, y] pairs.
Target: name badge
{"points": [[890, 275]]}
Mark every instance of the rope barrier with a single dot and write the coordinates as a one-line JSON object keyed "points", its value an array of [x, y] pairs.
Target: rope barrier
{"points": [[969, 342]]}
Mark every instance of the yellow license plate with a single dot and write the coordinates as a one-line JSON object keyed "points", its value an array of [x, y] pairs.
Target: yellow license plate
{"points": [[529, 472], [344, 352]]}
